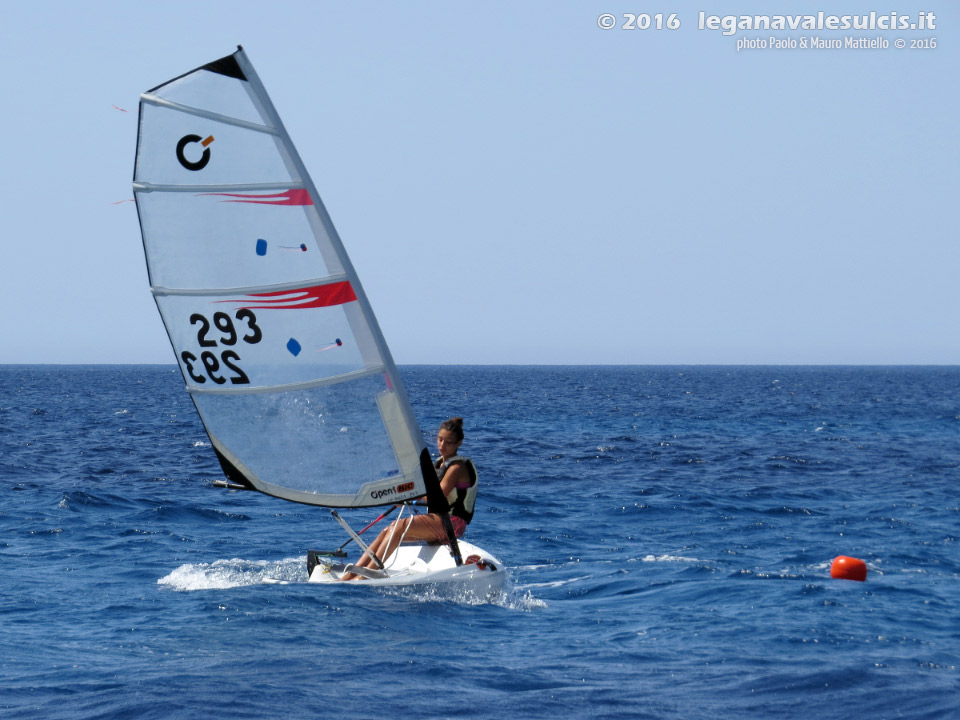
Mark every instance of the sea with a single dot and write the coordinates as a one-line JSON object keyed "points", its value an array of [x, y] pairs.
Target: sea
{"points": [[667, 534]]}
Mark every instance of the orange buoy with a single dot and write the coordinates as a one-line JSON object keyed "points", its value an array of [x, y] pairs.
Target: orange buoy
{"points": [[848, 568]]}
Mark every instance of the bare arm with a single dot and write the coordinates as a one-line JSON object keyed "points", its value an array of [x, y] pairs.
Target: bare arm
{"points": [[454, 475]]}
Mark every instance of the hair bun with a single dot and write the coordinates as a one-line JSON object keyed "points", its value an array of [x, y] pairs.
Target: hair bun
{"points": [[454, 425]]}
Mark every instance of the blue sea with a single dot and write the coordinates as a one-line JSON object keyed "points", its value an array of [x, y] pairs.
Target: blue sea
{"points": [[667, 534]]}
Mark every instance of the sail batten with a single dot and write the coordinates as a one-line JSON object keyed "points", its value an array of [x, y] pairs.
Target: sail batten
{"points": [[146, 187], [328, 280], [199, 112], [274, 335], [349, 377]]}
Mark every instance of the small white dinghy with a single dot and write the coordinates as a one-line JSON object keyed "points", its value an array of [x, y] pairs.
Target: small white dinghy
{"points": [[481, 575], [276, 340], [457, 566]]}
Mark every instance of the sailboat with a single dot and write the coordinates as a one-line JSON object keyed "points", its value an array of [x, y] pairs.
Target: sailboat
{"points": [[276, 340]]}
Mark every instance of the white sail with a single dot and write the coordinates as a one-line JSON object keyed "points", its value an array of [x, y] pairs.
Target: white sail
{"points": [[276, 341]]}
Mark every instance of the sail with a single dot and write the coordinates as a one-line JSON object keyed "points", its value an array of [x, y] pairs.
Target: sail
{"points": [[277, 343]]}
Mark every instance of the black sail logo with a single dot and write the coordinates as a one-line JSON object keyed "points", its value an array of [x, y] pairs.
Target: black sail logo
{"points": [[204, 159]]}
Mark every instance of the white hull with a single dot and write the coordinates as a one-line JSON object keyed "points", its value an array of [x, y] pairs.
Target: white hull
{"points": [[429, 565]]}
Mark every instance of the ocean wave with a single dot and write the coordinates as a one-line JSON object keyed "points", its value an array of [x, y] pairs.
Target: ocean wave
{"points": [[665, 559], [637, 581]]}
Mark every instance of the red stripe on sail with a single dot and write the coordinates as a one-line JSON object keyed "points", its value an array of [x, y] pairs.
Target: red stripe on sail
{"points": [[309, 297], [290, 197]]}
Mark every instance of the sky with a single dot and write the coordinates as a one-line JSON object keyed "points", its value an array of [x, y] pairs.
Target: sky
{"points": [[514, 183]]}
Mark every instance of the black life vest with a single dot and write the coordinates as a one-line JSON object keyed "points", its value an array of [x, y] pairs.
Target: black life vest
{"points": [[461, 500]]}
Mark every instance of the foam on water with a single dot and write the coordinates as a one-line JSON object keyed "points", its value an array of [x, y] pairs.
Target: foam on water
{"points": [[224, 574], [510, 598], [233, 573]]}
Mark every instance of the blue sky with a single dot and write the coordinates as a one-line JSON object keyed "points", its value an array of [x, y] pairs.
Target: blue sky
{"points": [[515, 184]]}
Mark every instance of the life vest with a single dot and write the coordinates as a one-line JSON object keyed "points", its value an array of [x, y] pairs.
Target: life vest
{"points": [[460, 499]]}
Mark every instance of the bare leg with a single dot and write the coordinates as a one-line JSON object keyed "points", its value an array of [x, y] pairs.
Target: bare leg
{"points": [[419, 527], [376, 547]]}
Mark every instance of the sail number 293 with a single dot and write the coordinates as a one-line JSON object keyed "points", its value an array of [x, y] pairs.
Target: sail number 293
{"points": [[221, 365]]}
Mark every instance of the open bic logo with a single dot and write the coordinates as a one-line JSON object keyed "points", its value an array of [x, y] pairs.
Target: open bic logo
{"points": [[204, 158]]}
